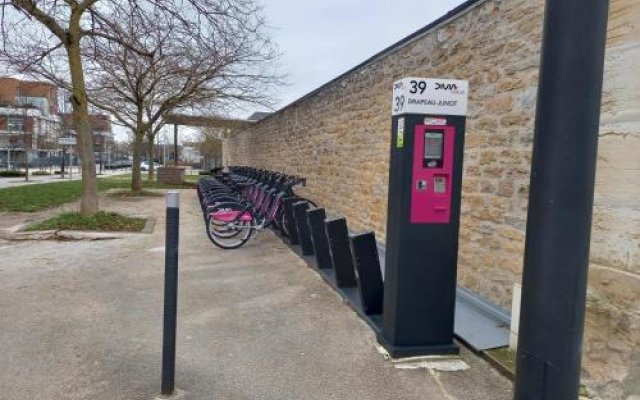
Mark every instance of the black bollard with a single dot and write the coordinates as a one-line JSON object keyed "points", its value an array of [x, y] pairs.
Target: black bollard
{"points": [[338, 235], [170, 293], [304, 235], [316, 219], [367, 262]]}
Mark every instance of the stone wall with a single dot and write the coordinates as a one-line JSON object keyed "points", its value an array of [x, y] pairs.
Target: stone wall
{"points": [[339, 137]]}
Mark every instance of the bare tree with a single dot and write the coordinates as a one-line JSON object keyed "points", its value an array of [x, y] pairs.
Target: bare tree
{"points": [[59, 40], [45, 38], [195, 63], [60, 28]]}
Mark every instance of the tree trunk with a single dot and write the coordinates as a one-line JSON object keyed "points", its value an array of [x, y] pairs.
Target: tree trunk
{"points": [[150, 157], [136, 174], [89, 201]]}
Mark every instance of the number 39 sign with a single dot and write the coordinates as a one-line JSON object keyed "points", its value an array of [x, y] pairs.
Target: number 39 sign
{"points": [[430, 96]]}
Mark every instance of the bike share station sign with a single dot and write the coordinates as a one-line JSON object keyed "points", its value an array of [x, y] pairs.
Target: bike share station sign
{"points": [[67, 141], [423, 218]]}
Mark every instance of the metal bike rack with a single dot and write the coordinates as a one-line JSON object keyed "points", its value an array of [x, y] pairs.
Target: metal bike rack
{"points": [[304, 235], [367, 263], [289, 220], [338, 235], [316, 218], [481, 326]]}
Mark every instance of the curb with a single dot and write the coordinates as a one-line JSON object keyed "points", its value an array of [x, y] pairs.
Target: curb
{"points": [[149, 225], [15, 233], [177, 395], [63, 235]]}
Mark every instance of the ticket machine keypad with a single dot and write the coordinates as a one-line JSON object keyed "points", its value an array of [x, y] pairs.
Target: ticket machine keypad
{"points": [[440, 185]]}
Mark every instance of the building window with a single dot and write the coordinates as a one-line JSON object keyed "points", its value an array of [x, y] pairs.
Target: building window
{"points": [[40, 103], [15, 124]]}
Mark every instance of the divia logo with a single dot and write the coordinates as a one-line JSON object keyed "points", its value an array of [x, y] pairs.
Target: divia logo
{"points": [[446, 86], [451, 87], [398, 86]]}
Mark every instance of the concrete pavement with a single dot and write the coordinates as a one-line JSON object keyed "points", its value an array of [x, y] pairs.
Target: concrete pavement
{"points": [[82, 320], [74, 176]]}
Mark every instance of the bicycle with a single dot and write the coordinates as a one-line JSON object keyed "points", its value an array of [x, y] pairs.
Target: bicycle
{"points": [[238, 205]]}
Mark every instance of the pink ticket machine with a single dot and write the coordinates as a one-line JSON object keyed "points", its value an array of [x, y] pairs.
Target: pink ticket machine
{"points": [[432, 170], [425, 183]]}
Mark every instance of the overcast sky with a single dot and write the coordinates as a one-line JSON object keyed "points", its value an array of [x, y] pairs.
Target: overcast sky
{"points": [[321, 39]]}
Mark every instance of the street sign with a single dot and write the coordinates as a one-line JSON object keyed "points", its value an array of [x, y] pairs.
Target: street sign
{"points": [[67, 141], [430, 96]]}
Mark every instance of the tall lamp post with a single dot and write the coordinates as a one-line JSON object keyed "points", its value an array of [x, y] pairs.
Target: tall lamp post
{"points": [[164, 149], [24, 140], [561, 200], [175, 144], [101, 153]]}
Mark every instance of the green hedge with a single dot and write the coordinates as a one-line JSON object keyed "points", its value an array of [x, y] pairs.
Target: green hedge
{"points": [[11, 173]]}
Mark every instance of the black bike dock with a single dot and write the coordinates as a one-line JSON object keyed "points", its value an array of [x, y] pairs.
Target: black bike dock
{"points": [[348, 263], [353, 264]]}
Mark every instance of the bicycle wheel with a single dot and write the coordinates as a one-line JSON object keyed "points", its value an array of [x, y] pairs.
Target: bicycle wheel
{"points": [[230, 226], [223, 215], [281, 220], [242, 235], [282, 224], [220, 229]]}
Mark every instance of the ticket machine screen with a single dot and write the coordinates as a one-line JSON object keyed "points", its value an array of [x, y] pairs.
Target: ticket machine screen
{"points": [[433, 149]]}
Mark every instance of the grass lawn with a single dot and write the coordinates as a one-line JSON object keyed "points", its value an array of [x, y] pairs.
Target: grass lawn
{"points": [[127, 193], [192, 178], [102, 221], [36, 197]]}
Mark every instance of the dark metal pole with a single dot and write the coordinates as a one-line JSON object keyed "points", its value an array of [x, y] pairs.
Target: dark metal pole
{"points": [[24, 138], [64, 153], [101, 153], [175, 144], [170, 294], [561, 200]]}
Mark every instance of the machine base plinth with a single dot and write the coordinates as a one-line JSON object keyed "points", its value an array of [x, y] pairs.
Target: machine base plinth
{"points": [[396, 351]]}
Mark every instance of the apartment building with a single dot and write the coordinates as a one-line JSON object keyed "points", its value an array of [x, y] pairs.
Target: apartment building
{"points": [[101, 129], [29, 122]]}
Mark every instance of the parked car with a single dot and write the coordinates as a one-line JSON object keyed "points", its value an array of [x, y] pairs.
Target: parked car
{"points": [[144, 166]]}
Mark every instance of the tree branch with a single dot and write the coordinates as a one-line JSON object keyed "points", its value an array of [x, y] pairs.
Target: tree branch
{"points": [[30, 8]]}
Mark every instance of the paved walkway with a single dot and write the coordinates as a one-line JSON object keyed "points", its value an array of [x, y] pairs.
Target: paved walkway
{"points": [[82, 320], [74, 176]]}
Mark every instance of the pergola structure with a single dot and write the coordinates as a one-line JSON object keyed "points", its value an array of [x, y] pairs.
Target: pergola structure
{"points": [[228, 124]]}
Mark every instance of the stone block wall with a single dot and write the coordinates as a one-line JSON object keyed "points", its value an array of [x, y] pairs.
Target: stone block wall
{"points": [[338, 138], [171, 175]]}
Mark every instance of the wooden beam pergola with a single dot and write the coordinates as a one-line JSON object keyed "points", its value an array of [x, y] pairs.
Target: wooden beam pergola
{"points": [[207, 122], [228, 124]]}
